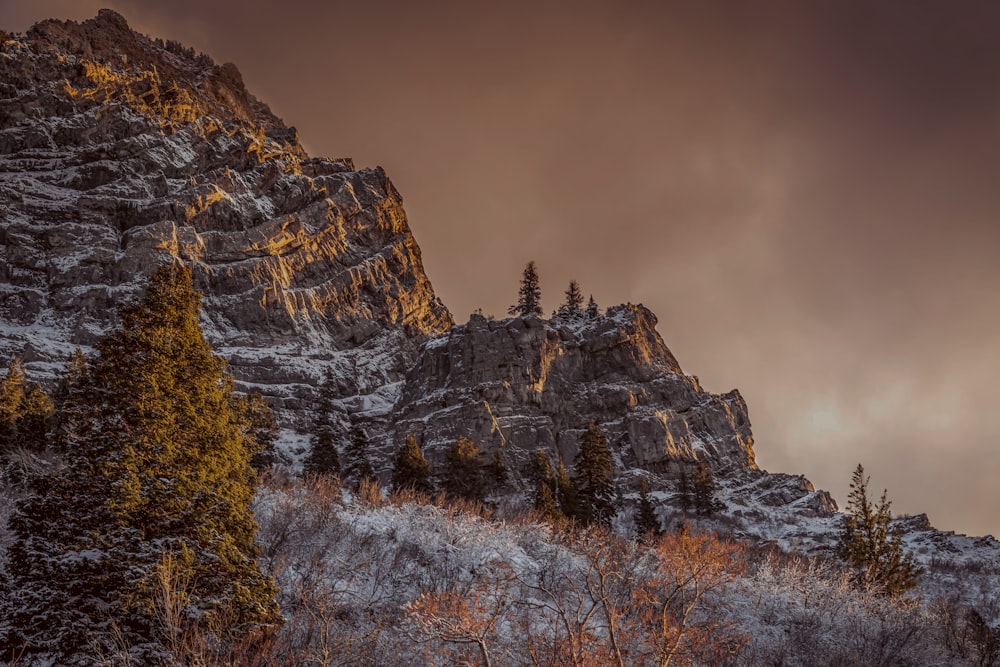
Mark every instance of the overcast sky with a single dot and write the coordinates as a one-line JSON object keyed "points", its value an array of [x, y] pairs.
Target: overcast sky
{"points": [[807, 194]]}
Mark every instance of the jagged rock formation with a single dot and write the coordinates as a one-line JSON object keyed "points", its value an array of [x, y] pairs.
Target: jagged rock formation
{"points": [[119, 153], [522, 383]]}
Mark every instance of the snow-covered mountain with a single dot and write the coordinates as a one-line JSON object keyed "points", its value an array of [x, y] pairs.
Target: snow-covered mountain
{"points": [[119, 153]]}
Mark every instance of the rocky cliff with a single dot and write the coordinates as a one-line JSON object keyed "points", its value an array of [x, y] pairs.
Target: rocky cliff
{"points": [[119, 152], [522, 383]]}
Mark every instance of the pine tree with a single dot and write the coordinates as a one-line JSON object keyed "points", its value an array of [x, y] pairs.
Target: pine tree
{"points": [[595, 487], [703, 491], [593, 312], [871, 546], [25, 411], [157, 470], [263, 429], [500, 473], [573, 304], [323, 458], [463, 475], [545, 484], [646, 521], [410, 469], [529, 296], [568, 504], [685, 495], [357, 465]]}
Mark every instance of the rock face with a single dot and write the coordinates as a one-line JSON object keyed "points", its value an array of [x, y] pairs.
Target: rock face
{"points": [[119, 153], [518, 384]]}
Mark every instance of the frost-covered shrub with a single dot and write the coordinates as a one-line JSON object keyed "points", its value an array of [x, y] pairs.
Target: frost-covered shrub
{"points": [[809, 613]]}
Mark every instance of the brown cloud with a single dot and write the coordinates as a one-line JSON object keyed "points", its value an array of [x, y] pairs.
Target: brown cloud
{"points": [[805, 193]]}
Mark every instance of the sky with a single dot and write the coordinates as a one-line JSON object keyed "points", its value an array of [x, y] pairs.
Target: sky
{"points": [[807, 194]]}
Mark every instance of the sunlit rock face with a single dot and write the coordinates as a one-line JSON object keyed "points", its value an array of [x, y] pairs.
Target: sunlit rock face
{"points": [[119, 153], [523, 383]]}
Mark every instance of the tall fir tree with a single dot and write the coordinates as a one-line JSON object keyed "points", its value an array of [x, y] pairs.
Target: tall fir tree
{"points": [[323, 458], [647, 524], [593, 312], [357, 464], [410, 469], [499, 471], [544, 479], [463, 473], [572, 305], [263, 429], [595, 485], [685, 496], [702, 491], [568, 504], [871, 546], [157, 470], [26, 412], [529, 295]]}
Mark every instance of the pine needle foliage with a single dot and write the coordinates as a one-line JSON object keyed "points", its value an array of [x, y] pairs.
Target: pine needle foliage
{"points": [[545, 487], [529, 295], [157, 466], [647, 524], [357, 464], [25, 411], [594, 481], [871, 546], [463, 473], [323, 458], [263, 429], [410, 469]]}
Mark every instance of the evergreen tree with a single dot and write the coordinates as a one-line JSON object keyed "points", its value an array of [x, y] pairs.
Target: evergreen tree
{"points": [[871, 546], [702, 491], [529, 296], [685, 495], [593, 312], [157, 471], [410, 469], [463, 475], [25, 411], [545, 484], [501, 475], [357, 465], [595, 487], [568, 504], [573, 304], [263, 429], [323, 458], [574, 297], [646, 521]]}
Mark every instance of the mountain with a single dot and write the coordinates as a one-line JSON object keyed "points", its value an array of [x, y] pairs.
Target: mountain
{"points": [[120, 153]]}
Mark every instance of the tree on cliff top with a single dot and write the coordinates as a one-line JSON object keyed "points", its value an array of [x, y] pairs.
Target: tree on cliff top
{"points": [[156, 482], [529, 296]]}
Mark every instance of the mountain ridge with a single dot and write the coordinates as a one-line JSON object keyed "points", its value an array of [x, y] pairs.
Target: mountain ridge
{"points": [[119, 152]]}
